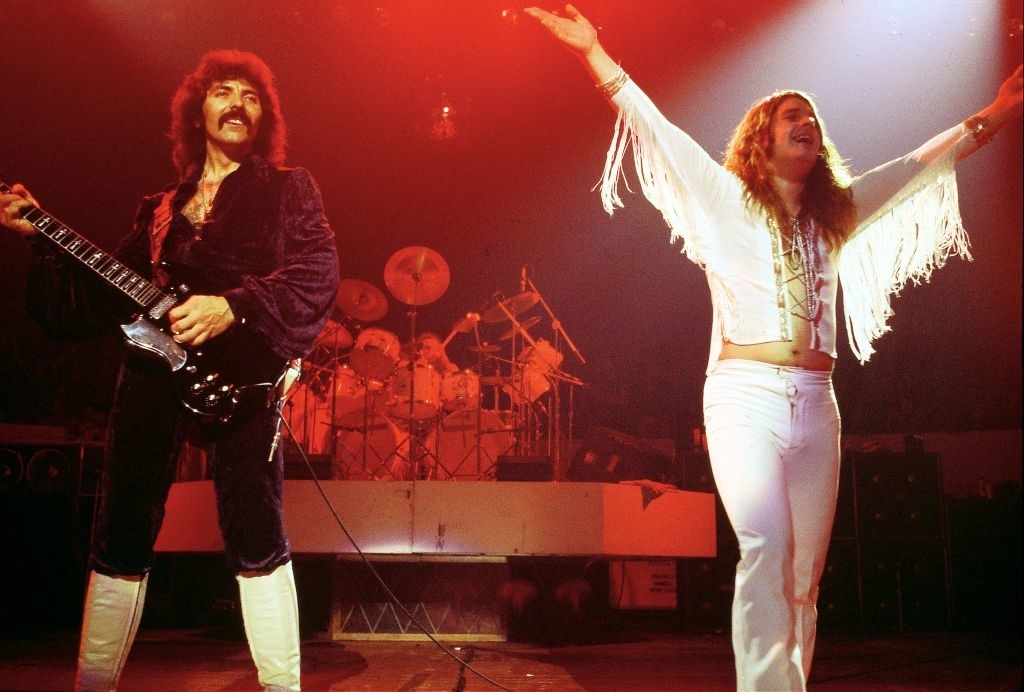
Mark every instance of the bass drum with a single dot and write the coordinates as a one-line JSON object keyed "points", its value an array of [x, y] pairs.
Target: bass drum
{"points": [[364, 444], [464, 452]]}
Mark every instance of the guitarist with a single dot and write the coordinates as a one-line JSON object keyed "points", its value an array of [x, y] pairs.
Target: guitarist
{"points": [[260, 259]]}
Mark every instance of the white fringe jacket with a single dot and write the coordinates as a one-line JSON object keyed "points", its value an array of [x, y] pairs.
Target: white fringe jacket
{"points": [[908, 225]]}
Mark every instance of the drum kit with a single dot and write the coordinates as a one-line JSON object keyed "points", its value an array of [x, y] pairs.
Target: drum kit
{"points": [[377, 411]]}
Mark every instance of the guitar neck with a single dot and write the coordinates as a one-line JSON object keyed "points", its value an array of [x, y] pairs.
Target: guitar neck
{"points": [[143, 292]]}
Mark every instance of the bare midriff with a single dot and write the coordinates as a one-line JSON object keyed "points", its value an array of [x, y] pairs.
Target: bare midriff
{"points": [[779, 353]]}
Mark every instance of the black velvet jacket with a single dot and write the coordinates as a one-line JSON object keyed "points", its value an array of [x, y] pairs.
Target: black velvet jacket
{"points": [[268, 250]]}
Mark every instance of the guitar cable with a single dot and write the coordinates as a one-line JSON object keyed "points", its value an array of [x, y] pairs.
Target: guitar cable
{"points": [[463, 663]]}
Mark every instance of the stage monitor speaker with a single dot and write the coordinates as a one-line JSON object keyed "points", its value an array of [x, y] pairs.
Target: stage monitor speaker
{"points": [[537, 468]]}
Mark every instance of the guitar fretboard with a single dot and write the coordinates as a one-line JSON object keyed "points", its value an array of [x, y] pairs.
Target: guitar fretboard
{"points": [[117, 274]]}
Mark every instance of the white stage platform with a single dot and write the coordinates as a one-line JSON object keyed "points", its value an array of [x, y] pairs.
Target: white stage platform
{"points": [[466, 519]]}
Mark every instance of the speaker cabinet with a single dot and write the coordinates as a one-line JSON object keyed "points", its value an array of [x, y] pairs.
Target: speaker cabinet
{"points": [[897, 495], [839, 597], [707, 586], [47, 499], [904, 584]]}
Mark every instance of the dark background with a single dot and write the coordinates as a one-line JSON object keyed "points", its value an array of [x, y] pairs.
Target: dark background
{"points": [[84, 108]]}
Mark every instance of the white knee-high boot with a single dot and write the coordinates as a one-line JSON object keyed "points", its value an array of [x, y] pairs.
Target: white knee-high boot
{"points": [[270, 612], [113, 609]]}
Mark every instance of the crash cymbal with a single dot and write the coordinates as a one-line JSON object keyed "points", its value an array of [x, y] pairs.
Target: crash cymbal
{"points": [[485, 348], [334, 336], [524, 325], [417, 275], [515, 305], [361, 300]]}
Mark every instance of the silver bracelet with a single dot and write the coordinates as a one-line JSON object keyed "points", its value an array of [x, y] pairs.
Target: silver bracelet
{"points": [[980, 128], [613, 85]]}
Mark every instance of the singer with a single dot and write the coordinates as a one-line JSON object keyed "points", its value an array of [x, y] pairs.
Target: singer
{"points": [[776, 227]]}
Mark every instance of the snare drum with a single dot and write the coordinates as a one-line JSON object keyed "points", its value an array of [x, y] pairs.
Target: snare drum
{"points": [[423, 390], [376, 354], [460, 390]]}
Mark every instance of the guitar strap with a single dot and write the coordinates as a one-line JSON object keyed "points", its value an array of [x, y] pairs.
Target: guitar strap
{"points": [[157, 233]]}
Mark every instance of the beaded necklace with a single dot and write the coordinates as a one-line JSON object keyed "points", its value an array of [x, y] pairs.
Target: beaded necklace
{"points": [[797, 269]]}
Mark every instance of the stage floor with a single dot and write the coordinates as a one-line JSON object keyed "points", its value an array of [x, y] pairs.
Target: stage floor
{"points": [[627, 658]]}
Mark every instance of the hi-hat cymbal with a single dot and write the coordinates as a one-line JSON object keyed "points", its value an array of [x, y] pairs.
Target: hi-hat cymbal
{"points": [[515, 305], [485, 348], [494, 380], [524, 325], [361, 300], [334, 336], [417, 275]]}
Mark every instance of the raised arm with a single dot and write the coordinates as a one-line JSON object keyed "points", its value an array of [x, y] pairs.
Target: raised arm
{"points": [[874, 189], [1005, 108]]}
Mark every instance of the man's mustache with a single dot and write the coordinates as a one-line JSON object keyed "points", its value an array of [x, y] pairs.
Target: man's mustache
{"points": [[235, 115]]}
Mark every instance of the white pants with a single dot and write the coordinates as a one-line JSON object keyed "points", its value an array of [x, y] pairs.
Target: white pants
{"points": [[773, 439]]}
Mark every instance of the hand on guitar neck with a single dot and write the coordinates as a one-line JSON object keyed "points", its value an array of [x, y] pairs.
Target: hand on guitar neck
{"points": [[15, 200]]}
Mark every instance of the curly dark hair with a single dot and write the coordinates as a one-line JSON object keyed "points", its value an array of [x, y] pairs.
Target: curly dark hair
{"points": [[826, 196], [187, 135]]}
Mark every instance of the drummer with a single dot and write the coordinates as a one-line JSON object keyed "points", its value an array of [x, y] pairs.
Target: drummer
{"points": [[430, 350]]}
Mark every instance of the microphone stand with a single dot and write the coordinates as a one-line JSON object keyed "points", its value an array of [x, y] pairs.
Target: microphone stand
{"points": [[559, 333]]}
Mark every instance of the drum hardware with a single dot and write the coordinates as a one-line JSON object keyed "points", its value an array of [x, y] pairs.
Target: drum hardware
{"points": [[361, 300], [510, 307], [524, 325], [555, 377], [334, 336], [364, 444], [470, 441]]}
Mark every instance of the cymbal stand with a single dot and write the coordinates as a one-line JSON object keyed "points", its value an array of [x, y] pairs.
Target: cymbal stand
{"points": [[477, 447], [414, 434], [556, 417]]}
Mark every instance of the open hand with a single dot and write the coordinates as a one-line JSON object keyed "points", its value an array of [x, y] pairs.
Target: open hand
{"points": [[569, 27]]}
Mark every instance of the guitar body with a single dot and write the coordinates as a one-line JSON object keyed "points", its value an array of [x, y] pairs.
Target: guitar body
{"points": [[213, 380]]}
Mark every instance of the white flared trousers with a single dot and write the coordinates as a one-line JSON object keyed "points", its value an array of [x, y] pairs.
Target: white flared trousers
{"points": [[773, 439]]}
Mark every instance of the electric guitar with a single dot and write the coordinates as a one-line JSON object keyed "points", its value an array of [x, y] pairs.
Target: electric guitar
{"points": [[211, 380]]}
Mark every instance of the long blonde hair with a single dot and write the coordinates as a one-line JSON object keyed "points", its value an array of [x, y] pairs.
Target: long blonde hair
{"points": [[826, 197]]}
